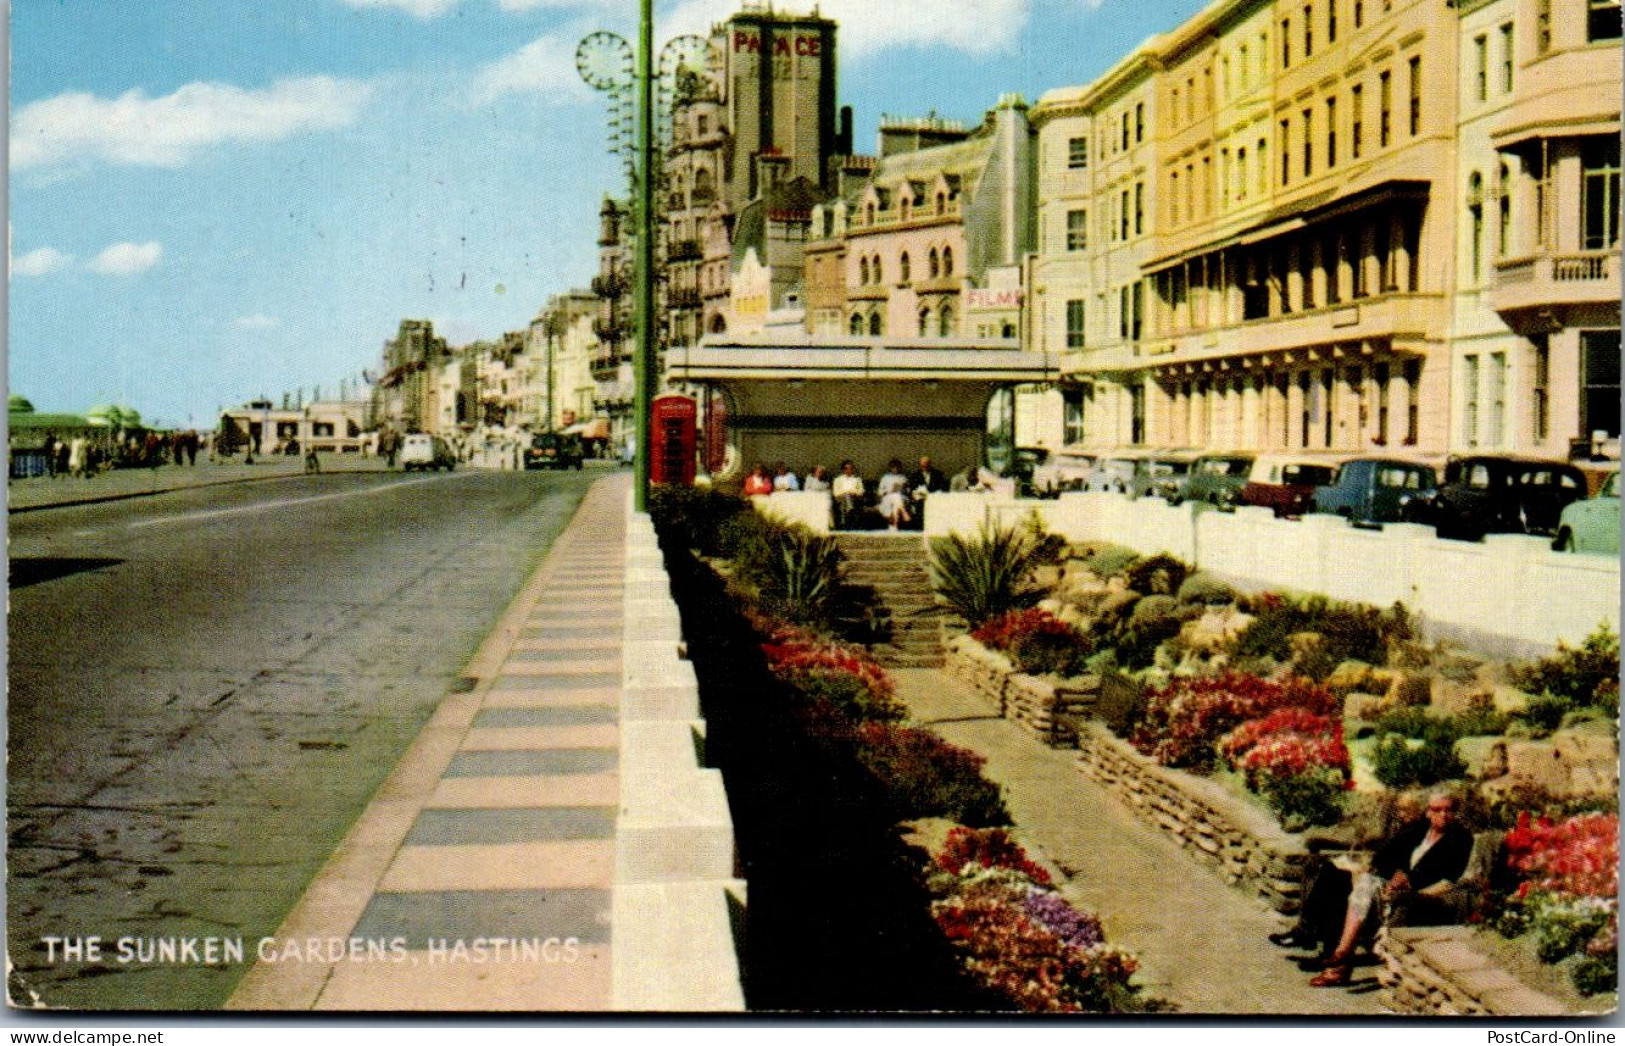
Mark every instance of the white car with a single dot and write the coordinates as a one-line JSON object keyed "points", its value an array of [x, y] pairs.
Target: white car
{"points": [[1065, 470], [419, 450]]}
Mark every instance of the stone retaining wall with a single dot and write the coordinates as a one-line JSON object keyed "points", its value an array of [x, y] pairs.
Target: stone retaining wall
{"points": [[1436, 971], [1241, 843], [1030, 701]]}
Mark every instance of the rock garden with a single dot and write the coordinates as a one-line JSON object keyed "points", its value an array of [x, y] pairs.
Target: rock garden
{"points": [[1263, 728]]}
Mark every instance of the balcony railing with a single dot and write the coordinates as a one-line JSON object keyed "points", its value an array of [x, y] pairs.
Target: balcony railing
{"points": [[1553, 280], [684, 250]]}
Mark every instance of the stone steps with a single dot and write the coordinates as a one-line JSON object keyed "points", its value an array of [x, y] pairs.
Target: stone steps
{"points": [[895, 566]]}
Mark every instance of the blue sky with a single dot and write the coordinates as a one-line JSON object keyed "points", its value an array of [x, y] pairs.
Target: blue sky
{"points": [[212, 200]]}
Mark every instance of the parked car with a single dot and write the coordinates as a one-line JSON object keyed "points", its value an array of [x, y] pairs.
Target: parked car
{"points": [[1065, 470], [1592, 525], [1024, 463], [1498, 494], [1113, 472], [1285, 482], [1161, 474], [419, 450], [554, 450], [1216, 479], [1373, 490]]}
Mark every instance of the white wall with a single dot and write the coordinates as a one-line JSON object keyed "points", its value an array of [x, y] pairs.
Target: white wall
{"points": [[1509, 591]]}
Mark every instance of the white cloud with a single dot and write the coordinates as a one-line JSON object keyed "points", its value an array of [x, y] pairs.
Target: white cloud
{"points": [[40, 261], [544, 66], [415, 8], [258, 321], [866, 27], [136, 130], [126, 259]]}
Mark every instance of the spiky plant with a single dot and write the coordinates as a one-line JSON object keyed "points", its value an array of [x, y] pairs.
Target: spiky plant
{"points": [[987, 575]]}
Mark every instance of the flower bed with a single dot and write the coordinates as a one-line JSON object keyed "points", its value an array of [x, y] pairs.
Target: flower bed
{"points": [[1567, 898], [1018, 938]]}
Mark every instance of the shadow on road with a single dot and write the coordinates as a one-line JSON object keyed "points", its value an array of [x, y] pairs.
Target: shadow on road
{"points": [[34, 571]]}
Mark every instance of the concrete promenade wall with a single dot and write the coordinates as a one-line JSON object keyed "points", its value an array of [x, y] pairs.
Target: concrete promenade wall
{"points": [[677, 900], [1510, 593]]}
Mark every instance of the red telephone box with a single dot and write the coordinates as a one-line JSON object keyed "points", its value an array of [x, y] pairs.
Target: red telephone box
{"points": [[671, 452]]}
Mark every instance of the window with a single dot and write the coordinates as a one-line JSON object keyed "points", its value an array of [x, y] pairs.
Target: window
{"points": [[1357, 123], [1077, 230], [1190, 192], [874, 324], [1286, 151], [1139, 208], [1123, 215], [1540, 421], [1495, 422], [855, 326], [1072, 416], [1599, 353], [1122, 311], [903, 268], [1308, 30], [1385, 106], [1416, 95], [947, 261], [945, 321], [1469, 401], [1359, 13], [1125, 131], [1331, 132], [875, 271], [1263, 165], [1599, 193], [1481, 66], [1475, 224], [1331, 21], [1173, 199], [1308, 142], [1603, 22], [1506, 58], [1286, 42], [1074, 323], [1139, 122], [1543, 26], [1077, 154], [934, 263], [863, 271], [1503, 229], [925, 322], [1413, 398], [1136, 302]]}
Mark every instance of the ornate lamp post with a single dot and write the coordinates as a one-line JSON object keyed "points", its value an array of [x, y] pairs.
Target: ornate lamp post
{"points": [[606, 62]]}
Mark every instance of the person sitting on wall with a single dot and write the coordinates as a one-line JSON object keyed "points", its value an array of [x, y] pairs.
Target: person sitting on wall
{"points": [[758, 483], [817, 480], [848, 493], [1409, 877], [927, 480], [893, 493], [784, 479]]}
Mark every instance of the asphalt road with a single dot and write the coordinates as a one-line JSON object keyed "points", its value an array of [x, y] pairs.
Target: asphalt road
{"points": [[207, 686]]}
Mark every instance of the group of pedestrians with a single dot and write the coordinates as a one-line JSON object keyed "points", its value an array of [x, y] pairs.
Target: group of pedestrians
{"points": [[897, 497], [83, 457]]}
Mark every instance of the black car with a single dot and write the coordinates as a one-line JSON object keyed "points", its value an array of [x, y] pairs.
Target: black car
{"points": [[1496, 494], [554, 450]]}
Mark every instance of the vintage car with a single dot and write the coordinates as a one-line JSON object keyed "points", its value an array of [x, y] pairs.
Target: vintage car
{"points": [[1592, 525], [1216, 479], [419, 450], [1067, 469], [1373, 490], [1498, 494], [1161, 474], [554, 450], [1285, 482]]}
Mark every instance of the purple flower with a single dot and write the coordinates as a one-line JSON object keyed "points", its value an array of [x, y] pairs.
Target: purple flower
{"points": [[1075, 928]]}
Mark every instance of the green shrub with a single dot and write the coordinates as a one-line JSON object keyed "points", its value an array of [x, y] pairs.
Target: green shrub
{"points": [[1596, 974], [693, 516], [1351, 631], [1153, 607], [926, 776], [990, 574], [1479, 721], [1205, 589], [1158, 575], [1111, 560], [1402, 763], [848, 694], [1588, 675], [1544, 713], [1310, 799]]}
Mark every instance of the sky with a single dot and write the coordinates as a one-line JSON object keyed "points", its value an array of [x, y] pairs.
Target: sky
{"points": [[216, 200]]}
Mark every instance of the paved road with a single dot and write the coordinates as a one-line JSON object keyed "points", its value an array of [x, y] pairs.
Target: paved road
{"points": [[207, 686]]}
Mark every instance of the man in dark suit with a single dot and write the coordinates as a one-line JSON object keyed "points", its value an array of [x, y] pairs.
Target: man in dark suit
{"points": [[1410, 874]]}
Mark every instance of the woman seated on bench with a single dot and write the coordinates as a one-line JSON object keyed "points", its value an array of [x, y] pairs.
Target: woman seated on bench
{"points": [[1410, 875]]}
